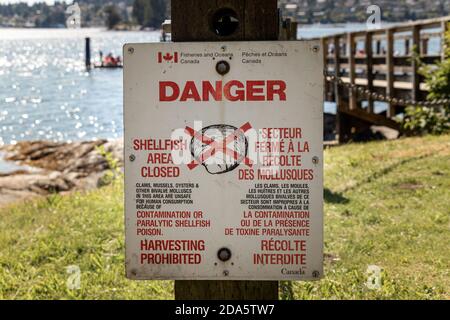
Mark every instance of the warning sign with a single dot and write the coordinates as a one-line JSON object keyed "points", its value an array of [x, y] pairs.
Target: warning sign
{"points": [[224, 160]]}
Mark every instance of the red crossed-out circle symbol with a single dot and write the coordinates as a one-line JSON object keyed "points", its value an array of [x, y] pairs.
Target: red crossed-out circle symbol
{"points": [[216, 146]]}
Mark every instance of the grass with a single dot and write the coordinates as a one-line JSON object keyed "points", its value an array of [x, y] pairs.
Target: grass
{"points": [[386, 204]]}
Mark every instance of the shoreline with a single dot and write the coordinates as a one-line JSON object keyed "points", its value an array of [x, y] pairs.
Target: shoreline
{"points": [[41, 168]]}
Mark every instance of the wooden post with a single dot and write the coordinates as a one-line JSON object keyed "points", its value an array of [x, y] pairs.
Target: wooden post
{"points": [[369, 69], [192, 20], [294, 30], [337, 72], [87, 53], [378, 46], [414, 64], [390, 70], [341, 119], [288, 30], [226, 290], [351, 69], [445, 27], [407, 47], [424, 46], [324, 43]]}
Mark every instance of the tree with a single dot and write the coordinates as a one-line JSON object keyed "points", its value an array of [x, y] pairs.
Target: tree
{"points": [[158, 13], [139, 11], [150, 13], [112, 16]]}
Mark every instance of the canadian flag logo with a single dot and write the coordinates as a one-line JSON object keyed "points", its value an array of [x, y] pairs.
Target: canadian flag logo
{"points": [[167, 57]]}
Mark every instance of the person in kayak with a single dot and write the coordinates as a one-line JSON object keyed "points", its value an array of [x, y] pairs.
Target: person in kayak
{"points": [[110, 61]]}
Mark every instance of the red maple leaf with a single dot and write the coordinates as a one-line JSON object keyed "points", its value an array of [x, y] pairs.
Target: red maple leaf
{"points": [[168, 57]]}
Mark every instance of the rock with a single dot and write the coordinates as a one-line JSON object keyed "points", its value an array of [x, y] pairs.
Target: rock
{"points": [[55, 167], [20, 181], [376, 133], [51, 155], [385, 132]]}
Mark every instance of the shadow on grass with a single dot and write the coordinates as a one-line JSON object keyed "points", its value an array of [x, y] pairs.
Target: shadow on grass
{"points": [[334, 197], [385, 171]]}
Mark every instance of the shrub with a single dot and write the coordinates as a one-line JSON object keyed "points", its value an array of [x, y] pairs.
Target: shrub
{"points": [[432, 120], [424, 120]]}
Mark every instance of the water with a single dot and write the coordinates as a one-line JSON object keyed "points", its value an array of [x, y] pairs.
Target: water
{"points": [[320, 30], [9, 166], [45, 91]]}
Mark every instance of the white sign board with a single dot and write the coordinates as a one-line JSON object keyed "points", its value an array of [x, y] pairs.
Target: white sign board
{"points": [[224, 160]]}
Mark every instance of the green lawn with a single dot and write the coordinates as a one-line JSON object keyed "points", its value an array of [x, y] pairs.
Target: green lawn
{"points": [[386, 204]]}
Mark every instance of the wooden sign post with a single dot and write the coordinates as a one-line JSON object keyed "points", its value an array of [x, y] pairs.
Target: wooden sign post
{"points": [[223, 134], [225, 20]]}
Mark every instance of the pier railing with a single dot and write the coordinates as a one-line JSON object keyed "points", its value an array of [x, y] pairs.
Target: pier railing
{"points": [[364, 67]]}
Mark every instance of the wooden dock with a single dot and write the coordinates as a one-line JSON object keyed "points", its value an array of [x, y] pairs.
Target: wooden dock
{"points": [[379, 63]]}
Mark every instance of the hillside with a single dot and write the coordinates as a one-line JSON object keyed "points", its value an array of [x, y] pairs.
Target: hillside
{"points": [[342, 11], [386, 204], [303, 11]]}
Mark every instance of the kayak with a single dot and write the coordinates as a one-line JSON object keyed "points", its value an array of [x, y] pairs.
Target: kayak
{"points": [[99, 66]]}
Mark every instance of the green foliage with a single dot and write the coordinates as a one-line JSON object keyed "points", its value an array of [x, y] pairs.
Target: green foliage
{"points": [[424, 120], [114, 173], [150, 13], [286, 289], [40, 243], [438, 80], [44, 15], [113, 17], [387, 205], [139, 10], [432, 120]]}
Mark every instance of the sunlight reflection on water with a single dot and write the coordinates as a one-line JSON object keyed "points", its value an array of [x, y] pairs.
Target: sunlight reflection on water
{"points": [[45, 91]]}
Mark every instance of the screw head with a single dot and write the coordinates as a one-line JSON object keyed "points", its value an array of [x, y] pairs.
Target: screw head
{"points": [[223, 48], [316, 274], [222, 67], [130, 50], [315, 49], [315, 160], [224, 254], [226, 273], [132, 157]]}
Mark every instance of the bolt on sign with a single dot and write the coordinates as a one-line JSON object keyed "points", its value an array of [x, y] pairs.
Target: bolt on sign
{"points": [[224, 160]]}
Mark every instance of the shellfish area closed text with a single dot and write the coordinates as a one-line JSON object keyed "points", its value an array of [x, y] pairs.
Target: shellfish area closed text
{"points": [[224, 161]]}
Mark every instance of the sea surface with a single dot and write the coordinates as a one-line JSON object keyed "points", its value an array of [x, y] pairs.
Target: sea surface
{"points": [[46, 92]]}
